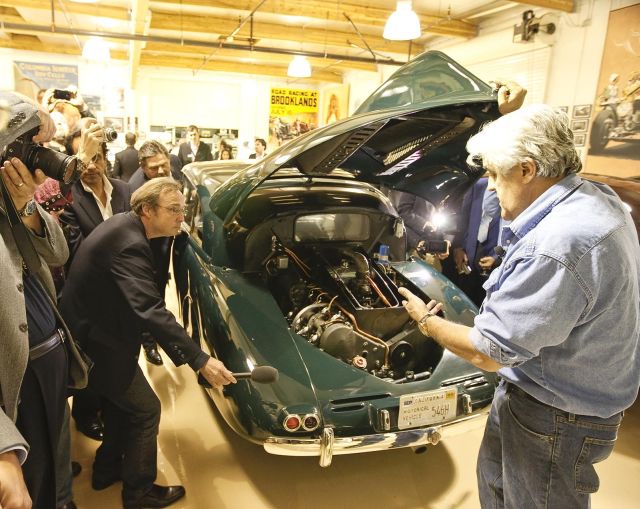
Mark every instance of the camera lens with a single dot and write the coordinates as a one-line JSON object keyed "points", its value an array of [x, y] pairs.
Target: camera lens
{"points": [[54, 164], [110, 134]]}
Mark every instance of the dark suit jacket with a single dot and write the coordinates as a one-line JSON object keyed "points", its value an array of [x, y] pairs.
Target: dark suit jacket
{"points": [[137, 179], [470, 215], [186, 155], [126, 164], [416, 214], [111, 297], [80, 218]]}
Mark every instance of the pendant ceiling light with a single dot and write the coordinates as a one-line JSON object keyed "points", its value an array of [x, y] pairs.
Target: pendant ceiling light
{"points": [[299, 67], [403, 24], [96, 50]]}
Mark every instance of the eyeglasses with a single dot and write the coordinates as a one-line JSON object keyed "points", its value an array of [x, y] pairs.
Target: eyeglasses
{"points": [[175, 209]]}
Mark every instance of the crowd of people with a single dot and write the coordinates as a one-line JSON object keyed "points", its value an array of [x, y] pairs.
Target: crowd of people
{"points": [[86, 264]]}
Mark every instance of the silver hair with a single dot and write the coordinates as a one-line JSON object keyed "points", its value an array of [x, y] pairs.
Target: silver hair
{"points": [[538, 132], [149, 193]]}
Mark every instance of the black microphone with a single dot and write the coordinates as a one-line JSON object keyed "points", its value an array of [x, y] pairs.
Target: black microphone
{"points": [[260, 375], [500, 251]]}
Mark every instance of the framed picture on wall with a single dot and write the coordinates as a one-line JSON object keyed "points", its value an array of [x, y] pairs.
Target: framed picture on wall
{"points": [[582, 111], [116, 123], [578, 139], [565, 109], [579, 125]]}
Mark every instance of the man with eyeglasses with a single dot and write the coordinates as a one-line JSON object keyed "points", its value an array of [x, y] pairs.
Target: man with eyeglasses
{"points": [[110, 297], [154, 162]]}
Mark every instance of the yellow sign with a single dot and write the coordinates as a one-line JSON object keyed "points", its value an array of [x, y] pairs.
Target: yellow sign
{"points": [[286, 102]]}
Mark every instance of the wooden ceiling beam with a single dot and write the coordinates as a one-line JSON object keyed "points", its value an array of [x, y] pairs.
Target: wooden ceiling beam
{"points": [[222, 26], [237, 67], [178, 51], [32, 43], [558, 5], [100, 10], [362, 14]]}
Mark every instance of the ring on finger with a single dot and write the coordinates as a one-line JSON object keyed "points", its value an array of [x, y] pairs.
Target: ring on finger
{"points": [[20, 184]]}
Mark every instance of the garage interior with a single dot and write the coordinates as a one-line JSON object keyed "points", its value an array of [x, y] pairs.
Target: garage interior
{"points": [[213, 63]]}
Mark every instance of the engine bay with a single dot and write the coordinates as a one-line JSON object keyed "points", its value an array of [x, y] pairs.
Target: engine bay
{"points": [[347, 304]]}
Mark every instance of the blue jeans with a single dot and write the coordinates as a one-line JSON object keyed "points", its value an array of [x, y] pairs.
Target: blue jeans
{"points": [[536, 456]]}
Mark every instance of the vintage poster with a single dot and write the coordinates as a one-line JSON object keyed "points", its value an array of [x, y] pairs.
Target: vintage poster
{"points": [[334, 104], [30, 77], [292, 112], [614, 133]]}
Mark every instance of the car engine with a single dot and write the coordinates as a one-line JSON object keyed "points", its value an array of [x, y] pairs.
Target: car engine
{"points": [[347, 304]]}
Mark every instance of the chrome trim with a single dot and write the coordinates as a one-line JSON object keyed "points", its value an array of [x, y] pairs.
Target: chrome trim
{"points": [[327, 442], [386, 420], [467, 408], [328, 445]]}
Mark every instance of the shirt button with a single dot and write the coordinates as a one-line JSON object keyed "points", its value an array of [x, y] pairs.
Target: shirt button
{"points": [[20, 287], [23, 327]]}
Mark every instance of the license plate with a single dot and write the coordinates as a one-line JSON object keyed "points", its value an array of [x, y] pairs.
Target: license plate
{"points": [[424, 408]]}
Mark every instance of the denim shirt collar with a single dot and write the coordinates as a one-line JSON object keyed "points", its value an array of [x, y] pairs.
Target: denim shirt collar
{"points": [[539, 209]]}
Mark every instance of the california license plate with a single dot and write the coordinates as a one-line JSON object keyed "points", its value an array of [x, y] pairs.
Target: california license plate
{"points": [[424, 408]]}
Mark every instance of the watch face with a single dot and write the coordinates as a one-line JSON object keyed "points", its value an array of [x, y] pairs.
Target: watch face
{"points": [[29, 208]]}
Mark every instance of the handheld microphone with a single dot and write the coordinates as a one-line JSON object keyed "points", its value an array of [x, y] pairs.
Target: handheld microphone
{"points": [[500, 251], [260, 375]]}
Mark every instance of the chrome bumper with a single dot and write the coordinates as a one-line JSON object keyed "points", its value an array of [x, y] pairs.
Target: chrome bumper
{"points": [[329, 445]]}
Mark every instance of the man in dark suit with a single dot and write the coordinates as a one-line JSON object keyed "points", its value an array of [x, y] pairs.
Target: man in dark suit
{"points": [[110, 298], [261, 149], [154, 162], [478, 233], [126, 162], [193, 149], [95, 198]]}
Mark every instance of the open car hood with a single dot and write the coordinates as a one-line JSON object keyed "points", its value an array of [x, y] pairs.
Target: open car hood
{"points": [[409, 135]]}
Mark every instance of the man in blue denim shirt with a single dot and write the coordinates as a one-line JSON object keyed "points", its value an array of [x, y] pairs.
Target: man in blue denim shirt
{"points": [[560, 322]]}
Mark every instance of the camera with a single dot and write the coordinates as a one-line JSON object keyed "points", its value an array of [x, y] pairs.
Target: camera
{"points": [[54, 164], [110, 134], [65, 95], [432, 247]]}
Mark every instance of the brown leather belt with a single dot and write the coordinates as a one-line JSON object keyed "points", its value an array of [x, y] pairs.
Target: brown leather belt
{"points": [[47, 345]]}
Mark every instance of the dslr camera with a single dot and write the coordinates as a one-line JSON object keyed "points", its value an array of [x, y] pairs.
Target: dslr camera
{"points": [[54, 164]]}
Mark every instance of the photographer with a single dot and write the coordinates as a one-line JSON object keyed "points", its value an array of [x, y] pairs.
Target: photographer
{"points": [[34, 367]]}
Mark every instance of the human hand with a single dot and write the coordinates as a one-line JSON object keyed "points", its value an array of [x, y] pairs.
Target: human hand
{"points": [[91, 139], [13, 491], [460, 259], [486, 262], [76, 99], [416, 307], [216, 373], [510, 96], [19, 181], [445, 255], [47, 127]]}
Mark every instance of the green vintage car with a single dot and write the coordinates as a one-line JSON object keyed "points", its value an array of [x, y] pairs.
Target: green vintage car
{"points": [[295, 262]]}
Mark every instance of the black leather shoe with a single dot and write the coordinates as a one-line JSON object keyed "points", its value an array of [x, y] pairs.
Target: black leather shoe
{"points": [[76, 468], [69, 505], [92, 427], [157, 496], [152, 355]]}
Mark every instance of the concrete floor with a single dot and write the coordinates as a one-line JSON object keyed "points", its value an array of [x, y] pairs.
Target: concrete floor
{"points": [[221, 470]]}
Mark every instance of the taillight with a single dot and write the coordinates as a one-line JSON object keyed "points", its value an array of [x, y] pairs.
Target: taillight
{"points": [[292, 423], [310, 422]]}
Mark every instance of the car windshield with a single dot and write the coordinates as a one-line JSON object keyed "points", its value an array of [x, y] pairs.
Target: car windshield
{"points": [[432, 76]]}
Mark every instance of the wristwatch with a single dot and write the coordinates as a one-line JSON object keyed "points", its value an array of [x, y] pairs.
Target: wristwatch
{"points": [[422, 323], [29, 209]]}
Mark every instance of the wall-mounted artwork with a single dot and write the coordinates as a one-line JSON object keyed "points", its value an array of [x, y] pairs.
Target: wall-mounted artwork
{"points": [[582, 111], [579, 125], [334, 102], [578, 139], [565, 109], [615, 119]]}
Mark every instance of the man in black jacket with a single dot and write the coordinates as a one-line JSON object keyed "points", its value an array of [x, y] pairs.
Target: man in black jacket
{"points": [[126, 162], [194, 149], [110, 298]]}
